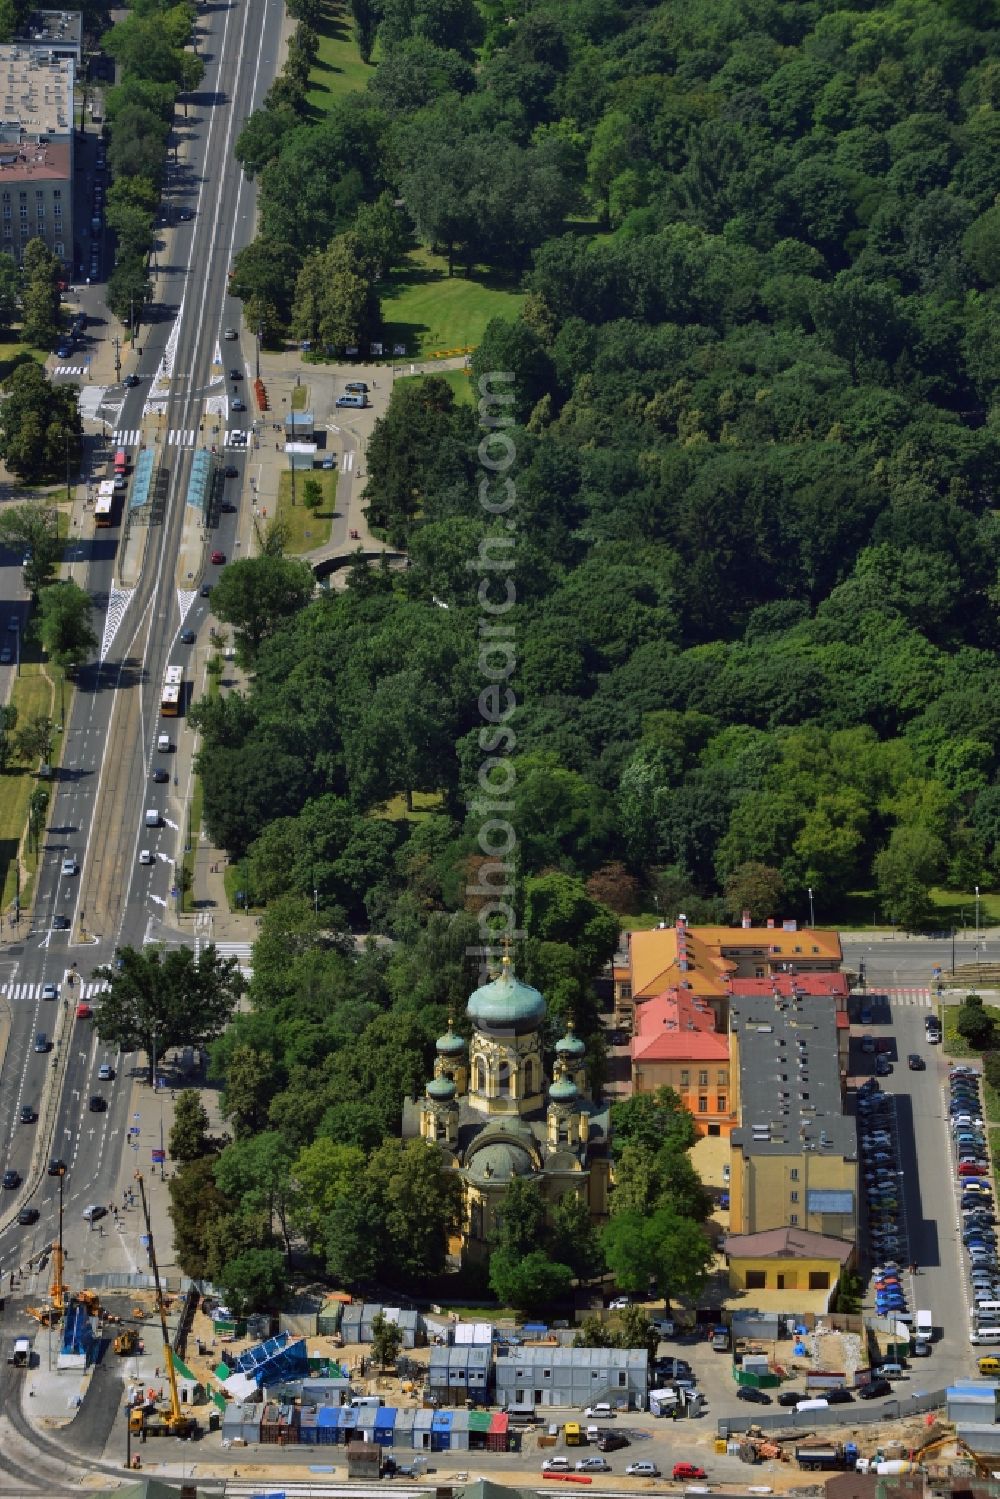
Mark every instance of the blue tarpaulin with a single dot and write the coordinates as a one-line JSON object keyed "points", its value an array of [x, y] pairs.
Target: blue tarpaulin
{"points": [[274, 1360], [77, 1333]]}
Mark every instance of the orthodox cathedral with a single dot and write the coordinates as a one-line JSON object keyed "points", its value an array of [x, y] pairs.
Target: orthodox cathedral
{"points": [[490, 1110]]}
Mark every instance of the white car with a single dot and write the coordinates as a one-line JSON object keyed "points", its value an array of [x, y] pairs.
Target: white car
{"points": [[69, 866], [644, 1469], [556, 1465], [599, 1412], [592, 1465], [105, 1072], [619, 1304], [145, 857], [50, 991]]}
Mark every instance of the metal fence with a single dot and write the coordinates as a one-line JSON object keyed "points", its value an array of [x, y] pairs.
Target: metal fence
{"points": [[134, 1280], [799, 1423]]}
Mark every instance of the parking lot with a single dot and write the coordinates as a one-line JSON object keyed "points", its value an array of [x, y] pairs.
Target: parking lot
{"points": [[924, 1170]]}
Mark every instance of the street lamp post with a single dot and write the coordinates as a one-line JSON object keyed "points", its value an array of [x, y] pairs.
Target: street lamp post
{"points": [[977, 931], [812, 913], [315, 901]]}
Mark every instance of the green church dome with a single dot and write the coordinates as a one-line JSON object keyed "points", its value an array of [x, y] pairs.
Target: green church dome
{"points": [[564, 1090], [450, 1044], [570, 1045], [441, 1089], [500, 1162], [505, 1005]]}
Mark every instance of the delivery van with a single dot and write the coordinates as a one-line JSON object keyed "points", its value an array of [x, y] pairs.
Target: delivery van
{"points": [[152, 818]]}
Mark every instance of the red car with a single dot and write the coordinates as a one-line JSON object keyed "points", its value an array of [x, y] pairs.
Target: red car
{"points": [[83, 1012], [973, 1168], [689, 1470], [218, 558]]}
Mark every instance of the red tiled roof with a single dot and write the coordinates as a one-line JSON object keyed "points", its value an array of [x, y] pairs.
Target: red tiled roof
{"points": [[674, 1026], [787, 984]]}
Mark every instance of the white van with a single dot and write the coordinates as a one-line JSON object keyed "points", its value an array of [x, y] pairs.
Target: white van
{"points": [[152, 818], [985, 1335], [163, 743], [988, 1311], [367, 1402], [813, 1405]]}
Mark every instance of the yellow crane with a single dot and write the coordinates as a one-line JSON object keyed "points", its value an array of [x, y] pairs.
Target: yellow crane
{"points": [[160, 1420], [49, 1315]]}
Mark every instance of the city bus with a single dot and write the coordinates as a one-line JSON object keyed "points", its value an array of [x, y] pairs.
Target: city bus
{"points": [[173, 687], [105, 503]]}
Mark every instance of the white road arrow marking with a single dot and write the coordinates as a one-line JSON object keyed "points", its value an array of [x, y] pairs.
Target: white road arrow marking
{"points": [[159, 900], [165, 857], [170, 824]]}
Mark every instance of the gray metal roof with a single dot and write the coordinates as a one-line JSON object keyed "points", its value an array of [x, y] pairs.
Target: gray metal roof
{"points": [[790, 1078], [578, 1358]]}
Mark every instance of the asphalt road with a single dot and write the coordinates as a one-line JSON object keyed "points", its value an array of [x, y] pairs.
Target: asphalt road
{"points": [[900, 962], [928, 1193], [104, 785]]}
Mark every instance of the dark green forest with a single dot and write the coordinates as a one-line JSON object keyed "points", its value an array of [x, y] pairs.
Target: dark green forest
{"points": [[756, 549]]}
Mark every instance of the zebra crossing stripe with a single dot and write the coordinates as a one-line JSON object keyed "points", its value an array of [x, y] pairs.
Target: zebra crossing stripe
{"points": [[69, 369], [88, 990], [127, 439]]}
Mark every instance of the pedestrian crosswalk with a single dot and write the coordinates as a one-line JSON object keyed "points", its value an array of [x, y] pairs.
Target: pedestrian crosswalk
{"points": [[70, 369], [909, 996], [16, 992], [347, 463], [241, 951], [179, 437]]}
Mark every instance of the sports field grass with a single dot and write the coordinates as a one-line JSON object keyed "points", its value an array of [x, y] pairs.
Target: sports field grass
{"points": [[338, 69], [433, 313]]}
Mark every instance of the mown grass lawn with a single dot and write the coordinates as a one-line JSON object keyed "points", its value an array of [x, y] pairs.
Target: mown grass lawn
{"points": [[457, 379], [307, 529], [32, 693], [432, 313], [14, 353], [338, 69], [424, 803], [194, 834]]}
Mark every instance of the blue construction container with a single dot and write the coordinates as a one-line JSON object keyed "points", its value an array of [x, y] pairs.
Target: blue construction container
{"points": [[385, 1423], [327, 1425], [441, 1432]]}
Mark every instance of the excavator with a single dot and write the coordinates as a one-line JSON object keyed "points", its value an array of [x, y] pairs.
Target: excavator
{"points": [[52, 1314], [150, 1419]]}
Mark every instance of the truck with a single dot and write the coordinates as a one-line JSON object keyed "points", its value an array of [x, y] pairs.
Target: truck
{"points": [[830, 1455], [923, 1327], [887, 1467], [720, 1339], [20, 1355]]}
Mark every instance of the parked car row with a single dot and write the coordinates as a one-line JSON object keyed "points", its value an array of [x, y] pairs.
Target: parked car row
{"points": [[979, 1239], [642, 1469], [879, 1152]]}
